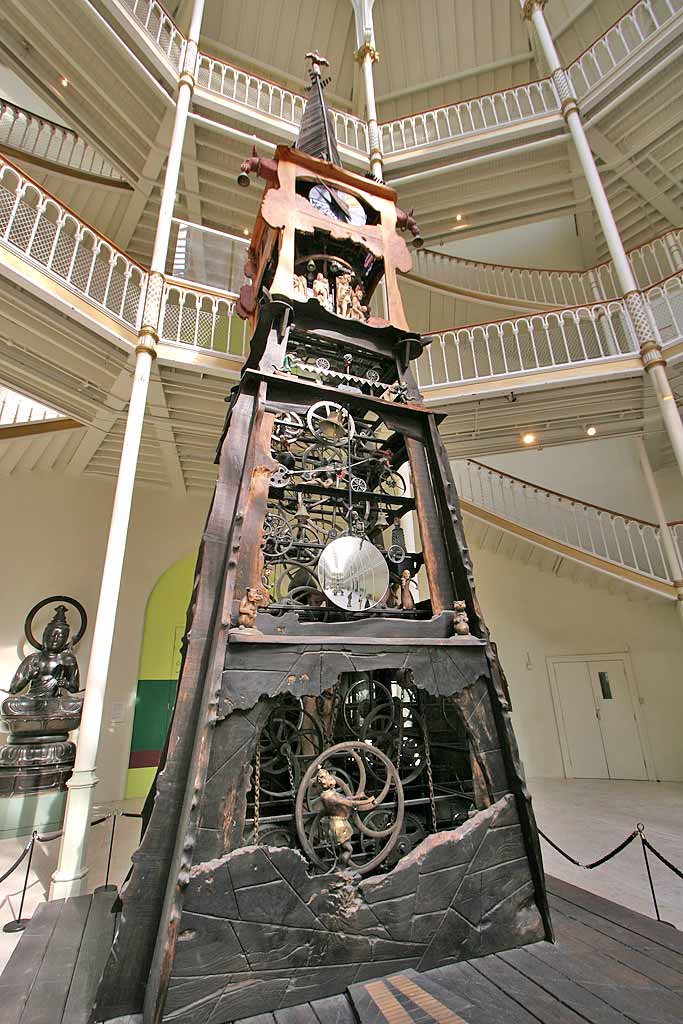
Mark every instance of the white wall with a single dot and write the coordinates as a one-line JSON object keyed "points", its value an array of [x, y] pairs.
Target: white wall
{"points": [[53, 537], [533, 615], [549, 244], [603, 471]]}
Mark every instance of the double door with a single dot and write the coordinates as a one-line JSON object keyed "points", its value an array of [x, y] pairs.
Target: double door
{"points": [[597, 719]]}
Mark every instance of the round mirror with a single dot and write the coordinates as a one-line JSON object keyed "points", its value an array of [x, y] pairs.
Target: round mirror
{"points": [[353, 573]]}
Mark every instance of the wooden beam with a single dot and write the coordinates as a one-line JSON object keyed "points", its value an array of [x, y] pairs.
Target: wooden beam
{"points": [[37, 427]]}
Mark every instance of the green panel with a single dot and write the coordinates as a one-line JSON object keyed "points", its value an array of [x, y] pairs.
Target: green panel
{"points": [[21, 814], [153, 708]]}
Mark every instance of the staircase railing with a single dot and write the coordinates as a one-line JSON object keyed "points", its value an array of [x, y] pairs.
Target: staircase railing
{"points": [[53, 238], [18, 409], [202, 319], [624, 541], [44, 140], [651, 262]]}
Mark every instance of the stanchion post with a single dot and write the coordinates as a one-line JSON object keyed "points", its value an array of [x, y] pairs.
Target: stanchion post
{"points": [[20, 923], [107, 887], [641, 832]]}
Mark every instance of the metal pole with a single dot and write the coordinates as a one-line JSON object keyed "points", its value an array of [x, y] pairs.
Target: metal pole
{"points": [[671, 554], [69, 878], [21, 922], [366, 55], [641, 318]]}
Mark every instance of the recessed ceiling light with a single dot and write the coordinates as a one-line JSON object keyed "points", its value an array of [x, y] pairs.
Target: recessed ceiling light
{"points": [[528, 438], [458, 217], [246, 231], [592, 431], [63, 81]]}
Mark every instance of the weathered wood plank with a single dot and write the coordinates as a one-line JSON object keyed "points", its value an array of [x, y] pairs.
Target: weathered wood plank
{"points": [[296, 1015], [525, 992], [97, 939], [488, 1002], [334, 1010], [631, 940], [635, 922], [45, 1004], [23, 965]]}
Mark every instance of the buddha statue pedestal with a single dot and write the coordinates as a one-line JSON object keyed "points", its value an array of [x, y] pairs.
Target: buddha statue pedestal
{"points": [[37, 756]]}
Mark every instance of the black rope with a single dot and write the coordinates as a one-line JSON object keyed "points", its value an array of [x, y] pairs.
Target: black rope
{"points": [[663, 859], [595, 863], [17, 861]]}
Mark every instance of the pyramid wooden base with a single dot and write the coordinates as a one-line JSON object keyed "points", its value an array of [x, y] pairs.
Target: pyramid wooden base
{"points": [[608, 964]]}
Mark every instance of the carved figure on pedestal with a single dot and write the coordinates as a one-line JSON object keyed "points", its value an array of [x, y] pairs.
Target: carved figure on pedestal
{"points": [[358, 310], [301, 287], [461, 623], [344, 297], [407, 602], [249, 606], [39, 754], [321, 290], [334, 823]]}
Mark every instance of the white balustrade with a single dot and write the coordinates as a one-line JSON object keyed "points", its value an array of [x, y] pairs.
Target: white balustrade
{"points": [[470, 117], [47, 234], [16, 408], [624, 541], [652, 262], [666, 302], [204, 256], [159, 29], [619, 42], [37, 137], [560, 338], [202, 320], [518, 105]]}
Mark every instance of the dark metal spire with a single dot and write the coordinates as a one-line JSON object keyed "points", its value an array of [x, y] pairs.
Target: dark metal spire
{"points": [[316, 132]]}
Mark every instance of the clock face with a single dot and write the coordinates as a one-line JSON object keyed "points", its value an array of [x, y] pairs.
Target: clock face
{"points": [[336, 204]]}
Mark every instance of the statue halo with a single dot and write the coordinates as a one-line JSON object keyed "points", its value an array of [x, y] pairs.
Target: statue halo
{"points": [[56, 598]]}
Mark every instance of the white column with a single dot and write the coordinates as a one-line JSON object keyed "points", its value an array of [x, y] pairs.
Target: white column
{"points": [[366, 55], [640, 315], [673, 244], [70, 877], [671, 553]]}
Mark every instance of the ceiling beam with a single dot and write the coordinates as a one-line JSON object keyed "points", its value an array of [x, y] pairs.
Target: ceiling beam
{"points": [[163, 429], [104, 420]]}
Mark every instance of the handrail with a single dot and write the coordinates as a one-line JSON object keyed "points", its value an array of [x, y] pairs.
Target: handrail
{"points": [[558, 494], [44, 140], [519, 104], [16, 408], [652, 262], [633, 544]]}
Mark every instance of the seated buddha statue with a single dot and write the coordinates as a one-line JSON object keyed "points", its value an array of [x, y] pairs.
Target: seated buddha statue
{"points": [[49, 670]]}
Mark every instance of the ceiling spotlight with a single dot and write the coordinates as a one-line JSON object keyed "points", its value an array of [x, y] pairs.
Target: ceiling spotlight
{"points": [[246, 232], [592, 431], [458, 216], [528, 438], [63, 81]]}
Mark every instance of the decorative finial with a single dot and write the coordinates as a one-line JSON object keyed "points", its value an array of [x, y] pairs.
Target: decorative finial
{"points": [[316, 62]]}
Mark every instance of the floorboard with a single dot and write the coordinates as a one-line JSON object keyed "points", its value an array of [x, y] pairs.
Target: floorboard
{"points": [[609, 965]]}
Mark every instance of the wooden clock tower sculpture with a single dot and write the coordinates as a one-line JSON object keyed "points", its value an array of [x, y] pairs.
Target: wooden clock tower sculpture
{"points": [[340, 796]]}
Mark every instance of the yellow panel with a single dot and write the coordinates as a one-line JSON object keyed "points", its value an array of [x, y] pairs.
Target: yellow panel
{"points": [[165, 621], [138, 782]]}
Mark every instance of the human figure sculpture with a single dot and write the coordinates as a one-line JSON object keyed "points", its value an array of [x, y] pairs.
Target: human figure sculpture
{"points": [[358, 311], [49, 670], [335, 825], [394, 595], [407, 603], [300, 286], [249, 606], [321, 290], [461, 625], [344, 295]]}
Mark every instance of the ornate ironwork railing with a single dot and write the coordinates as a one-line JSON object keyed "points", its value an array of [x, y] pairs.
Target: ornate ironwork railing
{"points": [[53, 238], [619, 539], [159, 28], [41, 139], [652, 262], [202, 320]]}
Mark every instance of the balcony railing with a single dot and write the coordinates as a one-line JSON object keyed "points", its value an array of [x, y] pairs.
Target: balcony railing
{"points": [[651, 263], [50, 236], [519, 106], [621, 540], [561, 338], [202, 320], [40, 139], [18, 409], [470, 117], [619, 42]]}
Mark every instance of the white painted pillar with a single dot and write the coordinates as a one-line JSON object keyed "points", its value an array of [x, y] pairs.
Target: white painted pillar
{"points": [[669, 546], [640, 315], [70, 877], [366, 55]]}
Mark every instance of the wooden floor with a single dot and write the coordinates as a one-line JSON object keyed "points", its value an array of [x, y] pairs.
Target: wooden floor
{"points": [[609, 965]]}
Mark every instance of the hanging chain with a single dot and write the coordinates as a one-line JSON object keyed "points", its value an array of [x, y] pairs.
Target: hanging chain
{"points": [[334, 713], [430, 781], [257, 791], [290, 769]]}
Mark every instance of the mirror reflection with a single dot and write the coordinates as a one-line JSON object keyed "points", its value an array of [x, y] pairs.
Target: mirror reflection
{"points": [[353, 573]]}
